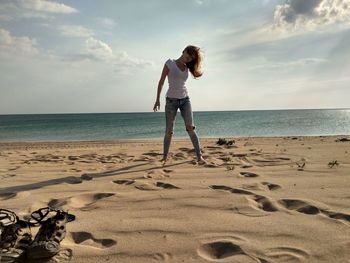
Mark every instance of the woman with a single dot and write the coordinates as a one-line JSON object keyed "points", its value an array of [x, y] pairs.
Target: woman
{"points": [[177, 96]]}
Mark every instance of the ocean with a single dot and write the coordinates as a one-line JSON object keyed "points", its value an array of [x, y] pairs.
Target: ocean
{"points": [[151, 125]]}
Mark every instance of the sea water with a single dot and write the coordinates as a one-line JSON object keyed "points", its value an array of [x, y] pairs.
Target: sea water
{"points": [[151, 125]]}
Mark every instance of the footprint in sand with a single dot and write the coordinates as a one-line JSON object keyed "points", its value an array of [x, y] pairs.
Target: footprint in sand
{"points": [[79, 201], [240, 155], [143, 159], [213, 147], [248, 174], [254, 186], [245, 166], [7, 176], [75, 170], [152, 154], [187, 150], [224, 250], [230, 189], [271, 186], [124, 182], [211, 165], [156, 174], [180, 156], [138, 185], [87, 239], [162, 257], [336, 215], [288, 254], [264, 203], [271, 160], [147, 186], [309, 209], [299, 206], [73, 158], [155, 186], [258, 201], [14, 168], [6, 196], [166, 185]]}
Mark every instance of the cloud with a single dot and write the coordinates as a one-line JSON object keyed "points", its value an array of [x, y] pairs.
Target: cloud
{"points": [[15, 9], [99, 51], [75, 31], [126, 61], [106, 22], [310, 14], [47, 6], [16, 45], [287, 66]]}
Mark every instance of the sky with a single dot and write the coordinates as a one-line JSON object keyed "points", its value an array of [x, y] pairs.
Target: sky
{"points": [[85, 56]]}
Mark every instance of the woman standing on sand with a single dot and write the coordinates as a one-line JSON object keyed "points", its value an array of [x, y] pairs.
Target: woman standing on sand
{"points": [[177, 96]]}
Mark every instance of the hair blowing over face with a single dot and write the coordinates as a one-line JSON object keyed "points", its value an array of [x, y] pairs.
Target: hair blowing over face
{"points": [[194, 66]]}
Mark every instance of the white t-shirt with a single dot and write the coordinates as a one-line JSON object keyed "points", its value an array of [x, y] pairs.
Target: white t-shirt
{"points": [[176, 80]]}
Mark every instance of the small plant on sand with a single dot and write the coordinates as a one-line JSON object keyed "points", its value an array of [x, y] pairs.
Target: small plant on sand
{"points": [[333, 163], [223, 141], [343, 139]]}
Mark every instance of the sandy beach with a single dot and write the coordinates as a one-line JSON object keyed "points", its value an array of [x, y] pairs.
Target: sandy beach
{"points": [[279, 199]]}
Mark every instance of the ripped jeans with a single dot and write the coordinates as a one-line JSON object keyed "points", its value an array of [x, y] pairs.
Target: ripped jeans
{"points": [[171, 107]]}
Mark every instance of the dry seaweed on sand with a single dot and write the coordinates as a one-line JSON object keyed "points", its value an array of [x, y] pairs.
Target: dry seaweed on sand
{"points": [[223, 141]]}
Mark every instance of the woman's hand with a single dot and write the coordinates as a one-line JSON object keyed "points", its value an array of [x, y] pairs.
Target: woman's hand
{"points": [[156, 106]]}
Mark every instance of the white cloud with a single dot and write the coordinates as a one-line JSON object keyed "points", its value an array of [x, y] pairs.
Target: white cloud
{"points": [[75, 31], [16, 45], [295, 19], [124, 59], [106, 22], [300, 14], [15, 9], [47, 6], [276, 66], [98, 49]]}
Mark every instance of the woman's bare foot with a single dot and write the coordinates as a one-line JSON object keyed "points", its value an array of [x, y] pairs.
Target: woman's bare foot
{"points": [[164, 160], [201, 160]]}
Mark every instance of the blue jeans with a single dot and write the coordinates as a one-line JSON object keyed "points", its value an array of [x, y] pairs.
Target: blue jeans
{"points": [[171, 107]]}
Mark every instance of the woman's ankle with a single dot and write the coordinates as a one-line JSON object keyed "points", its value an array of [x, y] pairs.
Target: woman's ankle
{"points": [[200, 157]]}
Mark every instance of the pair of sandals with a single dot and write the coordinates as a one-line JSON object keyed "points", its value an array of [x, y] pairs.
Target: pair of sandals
{"points": [[16, 242]]}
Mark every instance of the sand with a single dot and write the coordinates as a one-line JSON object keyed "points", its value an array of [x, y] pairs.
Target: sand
{"points": [[284, 199]]}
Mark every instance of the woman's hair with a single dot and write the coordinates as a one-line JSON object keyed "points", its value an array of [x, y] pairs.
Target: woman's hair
{"points": [[195, 65]]}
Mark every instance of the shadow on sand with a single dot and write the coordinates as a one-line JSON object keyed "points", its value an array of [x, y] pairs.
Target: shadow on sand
{"points": [[12, 190]]}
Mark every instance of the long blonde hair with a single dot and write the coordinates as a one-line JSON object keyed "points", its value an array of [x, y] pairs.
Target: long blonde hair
{"points": [[194, 65]]}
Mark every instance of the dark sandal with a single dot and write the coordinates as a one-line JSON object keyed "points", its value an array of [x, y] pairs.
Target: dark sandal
{"points": [[52, 231], [15, 237]]}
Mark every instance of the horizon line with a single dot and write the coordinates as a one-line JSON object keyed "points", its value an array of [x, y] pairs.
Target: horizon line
{"points": [[62, 113]]}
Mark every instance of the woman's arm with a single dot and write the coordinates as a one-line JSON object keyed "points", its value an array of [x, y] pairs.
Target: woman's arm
{"points": [[165, 72]]}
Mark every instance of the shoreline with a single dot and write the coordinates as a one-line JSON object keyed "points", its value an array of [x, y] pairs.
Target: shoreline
{"points": [[162, 111], [77, 143]]}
